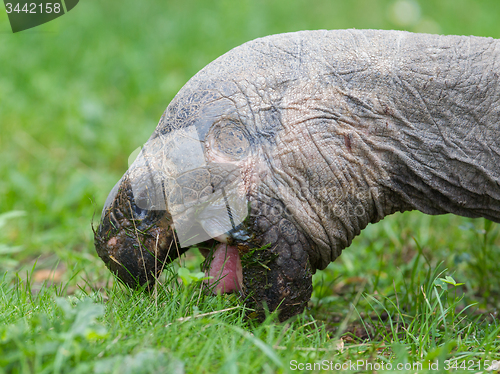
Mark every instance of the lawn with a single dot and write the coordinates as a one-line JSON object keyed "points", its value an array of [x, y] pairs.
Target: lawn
{"points": [[79, 94]]}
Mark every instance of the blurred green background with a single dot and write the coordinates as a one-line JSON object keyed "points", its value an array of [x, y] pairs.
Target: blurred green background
{"points": [[79, 94]]}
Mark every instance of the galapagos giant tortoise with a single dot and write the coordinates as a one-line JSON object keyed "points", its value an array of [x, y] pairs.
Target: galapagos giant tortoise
{"points": [[295, 142]]}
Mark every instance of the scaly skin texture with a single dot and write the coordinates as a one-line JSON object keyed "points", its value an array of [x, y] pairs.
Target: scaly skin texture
{"points": [[319, 133]]}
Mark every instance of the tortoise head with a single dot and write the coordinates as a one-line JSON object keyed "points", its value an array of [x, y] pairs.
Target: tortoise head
{"points": [[189, 185]]}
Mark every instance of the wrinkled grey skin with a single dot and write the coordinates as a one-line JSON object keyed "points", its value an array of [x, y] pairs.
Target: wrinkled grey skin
{"points": [[332, 130]]}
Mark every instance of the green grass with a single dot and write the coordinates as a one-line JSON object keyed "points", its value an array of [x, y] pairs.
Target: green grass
{"points": [[79, 94]]}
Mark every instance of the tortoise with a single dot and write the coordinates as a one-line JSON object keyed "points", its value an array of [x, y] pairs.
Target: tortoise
{"points": [[281, 151]]}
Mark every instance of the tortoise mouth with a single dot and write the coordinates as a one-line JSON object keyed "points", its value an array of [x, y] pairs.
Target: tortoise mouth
{"points": [[136, 243], [138, 256]]}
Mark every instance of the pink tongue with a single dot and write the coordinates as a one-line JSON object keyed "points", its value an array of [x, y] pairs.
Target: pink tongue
{"points": [[226, 268]]}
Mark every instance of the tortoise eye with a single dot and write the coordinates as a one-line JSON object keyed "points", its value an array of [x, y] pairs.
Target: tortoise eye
{"points": [[230, 140]]}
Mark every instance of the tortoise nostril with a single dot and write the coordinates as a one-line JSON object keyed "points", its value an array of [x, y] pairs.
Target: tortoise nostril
{"points": [[138, 211]]}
